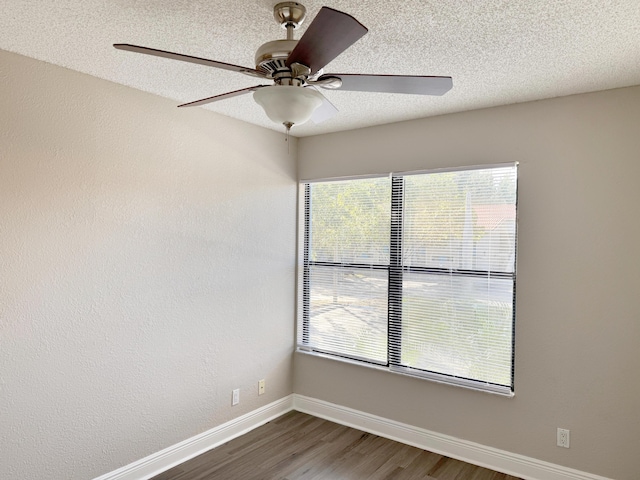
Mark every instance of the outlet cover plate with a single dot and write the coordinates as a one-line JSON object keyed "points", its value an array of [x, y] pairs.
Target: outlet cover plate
{"points": [[563, 438]]}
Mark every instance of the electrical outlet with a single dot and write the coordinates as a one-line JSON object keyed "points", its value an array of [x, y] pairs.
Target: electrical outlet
{"points": [[261, 385], [563, 438], [235, 397]]}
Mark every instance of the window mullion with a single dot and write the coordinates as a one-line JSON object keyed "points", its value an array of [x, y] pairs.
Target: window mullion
{"points": [[395, 273]]}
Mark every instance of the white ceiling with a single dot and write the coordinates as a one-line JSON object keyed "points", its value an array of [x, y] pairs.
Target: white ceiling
{"points": [[497, 51]]}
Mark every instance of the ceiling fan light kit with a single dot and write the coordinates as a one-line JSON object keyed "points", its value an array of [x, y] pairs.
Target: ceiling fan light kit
{"points": [[296, 68], [288, 104]]}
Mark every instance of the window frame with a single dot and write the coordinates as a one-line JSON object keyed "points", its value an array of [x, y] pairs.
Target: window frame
{"points": [[396, 271]]}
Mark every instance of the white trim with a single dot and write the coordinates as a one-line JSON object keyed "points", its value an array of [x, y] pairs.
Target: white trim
{"points": [[500, 460], [470, 452], [163, 460], [407, 372]]}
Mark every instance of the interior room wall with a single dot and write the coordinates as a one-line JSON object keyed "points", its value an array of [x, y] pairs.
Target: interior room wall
{"points": [[146, 271], [577, 328]]}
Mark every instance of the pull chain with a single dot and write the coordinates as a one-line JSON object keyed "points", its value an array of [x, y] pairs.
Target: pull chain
{"points": [[288, 126]]}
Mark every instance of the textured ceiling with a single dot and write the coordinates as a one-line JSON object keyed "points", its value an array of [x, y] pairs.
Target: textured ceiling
{"points": [[497, 51]]}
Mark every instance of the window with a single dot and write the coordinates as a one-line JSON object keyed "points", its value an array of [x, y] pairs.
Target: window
{"points": [[414, 273]]}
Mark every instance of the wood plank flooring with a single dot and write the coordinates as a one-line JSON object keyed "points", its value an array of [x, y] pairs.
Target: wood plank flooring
{"points": [[297, 446]]}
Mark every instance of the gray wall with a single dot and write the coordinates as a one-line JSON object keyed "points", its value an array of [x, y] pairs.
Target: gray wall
{"points": [[129, 231], [578, 309], [142, 278]]}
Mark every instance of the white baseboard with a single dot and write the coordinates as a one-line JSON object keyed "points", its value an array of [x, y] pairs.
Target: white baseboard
{"points": [[499, 460], [470, 452], [163, 460]]}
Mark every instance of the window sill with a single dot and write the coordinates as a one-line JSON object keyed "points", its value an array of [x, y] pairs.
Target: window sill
{"points": [[429, 376]]}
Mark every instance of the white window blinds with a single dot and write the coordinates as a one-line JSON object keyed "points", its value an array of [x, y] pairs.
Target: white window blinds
{"points": [[415, 272], [346, 274]]}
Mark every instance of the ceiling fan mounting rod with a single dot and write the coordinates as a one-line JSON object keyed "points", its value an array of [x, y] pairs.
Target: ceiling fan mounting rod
{"points": [[290, 29]]}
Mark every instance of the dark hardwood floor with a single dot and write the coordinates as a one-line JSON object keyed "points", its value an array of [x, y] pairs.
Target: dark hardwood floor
{"points": [[297, 446]]}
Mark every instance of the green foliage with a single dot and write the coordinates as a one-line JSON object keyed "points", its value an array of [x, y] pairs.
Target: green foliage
{"points": [[351, 220]]}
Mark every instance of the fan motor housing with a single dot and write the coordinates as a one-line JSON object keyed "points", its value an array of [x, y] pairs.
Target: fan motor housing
{"points": [[272, 56]]}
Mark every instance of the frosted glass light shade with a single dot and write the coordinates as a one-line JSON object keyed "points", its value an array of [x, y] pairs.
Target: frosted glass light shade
{"points": [[288, 103]]}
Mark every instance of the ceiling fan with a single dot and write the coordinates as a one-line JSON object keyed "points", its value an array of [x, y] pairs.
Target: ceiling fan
{"points": [[296, 65]]}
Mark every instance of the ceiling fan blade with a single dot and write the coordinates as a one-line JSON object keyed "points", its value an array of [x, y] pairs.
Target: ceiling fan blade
{"points": [[415, 85], [189, 59], [325, 111], [328, 35], [222, 96]]}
